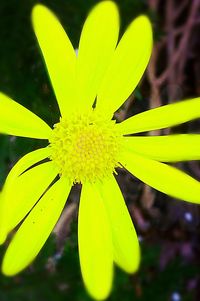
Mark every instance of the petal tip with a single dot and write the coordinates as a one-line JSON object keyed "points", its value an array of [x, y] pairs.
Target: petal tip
{"points": [[38, 8], [39, 11], [101, 294], [106, 4], [143, 22], [105, 7], [7, 269], [134, 266], [3, 237]]}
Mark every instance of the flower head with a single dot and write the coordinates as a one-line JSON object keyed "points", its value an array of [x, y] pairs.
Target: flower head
{"points": [[87, 145]]}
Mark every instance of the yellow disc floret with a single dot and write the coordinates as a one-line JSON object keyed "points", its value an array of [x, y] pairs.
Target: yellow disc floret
{"points": [[85, 147]]}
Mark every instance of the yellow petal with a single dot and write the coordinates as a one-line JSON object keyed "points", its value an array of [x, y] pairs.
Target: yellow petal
{"points": [[162, 177], [21, 193], [127, 67], [26, 162], [97, 43], [35, 230], [59, 56], [23, 164], [18, 121], [125, 242], [95, 245], [165, 148], [162, 117]]}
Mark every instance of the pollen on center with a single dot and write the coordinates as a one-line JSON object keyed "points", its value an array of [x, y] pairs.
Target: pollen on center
{"points": [[85, 147]]}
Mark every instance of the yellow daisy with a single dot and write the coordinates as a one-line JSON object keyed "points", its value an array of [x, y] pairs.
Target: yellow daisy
{"points": [[87, 145]]}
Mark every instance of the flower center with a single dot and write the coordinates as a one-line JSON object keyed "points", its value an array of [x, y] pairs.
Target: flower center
{"points": [[85, 147]]}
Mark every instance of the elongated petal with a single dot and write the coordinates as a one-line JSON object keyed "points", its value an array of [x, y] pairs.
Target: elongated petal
{"points": [[165, 148], [97, 43], [125, 241], [95, 245], [59, 56], [26, 162], [21, 194], [35, 230], [162, 117], [23, 164], [18, 121], [127, 67], [162, 177]]}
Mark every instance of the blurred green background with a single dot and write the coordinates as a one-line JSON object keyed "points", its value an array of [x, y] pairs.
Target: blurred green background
{"points": [[168, 230]]}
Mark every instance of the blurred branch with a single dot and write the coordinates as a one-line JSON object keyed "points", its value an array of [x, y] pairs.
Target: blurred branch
{"points": [[62, 228], [175, 49], [176, 56]]}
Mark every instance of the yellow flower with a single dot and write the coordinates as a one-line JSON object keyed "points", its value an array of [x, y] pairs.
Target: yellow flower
{"points": [[86, 146]]}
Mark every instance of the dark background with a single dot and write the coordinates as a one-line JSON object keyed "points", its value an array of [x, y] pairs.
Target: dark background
{"points": [[169, 230]]}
